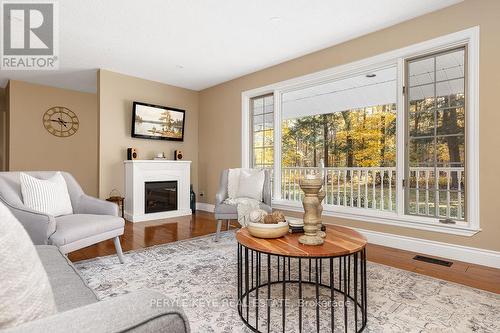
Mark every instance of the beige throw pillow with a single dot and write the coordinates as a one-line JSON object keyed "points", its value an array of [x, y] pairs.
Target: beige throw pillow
{"points": [[233, 180], [25, 292], [251, 184]]}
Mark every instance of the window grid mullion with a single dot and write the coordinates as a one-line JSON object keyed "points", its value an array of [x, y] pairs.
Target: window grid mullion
{"points": [[436, 175]]}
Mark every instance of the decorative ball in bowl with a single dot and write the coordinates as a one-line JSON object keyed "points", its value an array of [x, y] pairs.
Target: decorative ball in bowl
{"points": [[263, 230]]}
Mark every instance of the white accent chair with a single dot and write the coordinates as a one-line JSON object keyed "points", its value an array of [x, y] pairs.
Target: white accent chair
{"points": [[228, 212], [92, 221]]}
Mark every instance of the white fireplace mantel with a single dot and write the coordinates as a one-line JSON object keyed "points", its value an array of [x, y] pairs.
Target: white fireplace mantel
{"points": [[138, 172]]}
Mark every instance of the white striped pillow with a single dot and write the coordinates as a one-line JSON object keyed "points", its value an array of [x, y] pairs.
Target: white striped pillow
{"points": [[48, 196]]}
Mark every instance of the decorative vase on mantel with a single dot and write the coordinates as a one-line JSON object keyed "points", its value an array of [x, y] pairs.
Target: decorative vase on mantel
{"points": [[311, 185]]}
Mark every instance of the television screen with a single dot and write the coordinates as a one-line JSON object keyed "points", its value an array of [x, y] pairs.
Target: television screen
{"points": [[157, 122]]}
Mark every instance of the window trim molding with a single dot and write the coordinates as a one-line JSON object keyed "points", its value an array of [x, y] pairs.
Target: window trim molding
{"points": [[382, 217], [470, 37]]}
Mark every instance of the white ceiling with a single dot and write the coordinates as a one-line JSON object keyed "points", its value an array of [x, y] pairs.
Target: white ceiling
{"points": [[198, 43], [346, 94]]}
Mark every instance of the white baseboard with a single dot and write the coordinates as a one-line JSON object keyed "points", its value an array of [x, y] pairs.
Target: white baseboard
{"points": [[157, 216], [445, 250], [205, 207], [439, 249]]}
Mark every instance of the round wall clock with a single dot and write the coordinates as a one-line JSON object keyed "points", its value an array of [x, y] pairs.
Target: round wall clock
{"points": [[60, 121]]}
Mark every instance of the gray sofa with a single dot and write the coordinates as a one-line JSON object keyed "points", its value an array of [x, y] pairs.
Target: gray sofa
{"points": [[80, 311]]}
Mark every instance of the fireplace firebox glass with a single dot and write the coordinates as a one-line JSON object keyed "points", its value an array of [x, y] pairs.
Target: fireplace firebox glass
{"points": [[160, 196]]}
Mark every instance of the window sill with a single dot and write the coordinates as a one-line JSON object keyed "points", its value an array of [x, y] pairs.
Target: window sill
{"points": [[387, 218]]}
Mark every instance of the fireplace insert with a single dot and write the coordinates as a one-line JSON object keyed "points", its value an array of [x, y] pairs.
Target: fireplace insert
{"points": [[160, 196]]}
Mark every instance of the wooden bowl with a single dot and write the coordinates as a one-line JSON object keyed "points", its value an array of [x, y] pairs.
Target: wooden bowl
{"points": [[261, 230]]}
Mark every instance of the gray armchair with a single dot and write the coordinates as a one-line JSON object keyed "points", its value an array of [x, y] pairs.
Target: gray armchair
{"points": [[228, 212], [92, 221]]}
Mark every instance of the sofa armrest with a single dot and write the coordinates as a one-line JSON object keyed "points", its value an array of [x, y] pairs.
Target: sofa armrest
{"points": [[37, 224], [142, 311], [91, 205]]}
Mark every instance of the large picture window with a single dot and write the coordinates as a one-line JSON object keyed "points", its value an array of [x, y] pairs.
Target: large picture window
{"points": [[395, 136], [348, 128]]}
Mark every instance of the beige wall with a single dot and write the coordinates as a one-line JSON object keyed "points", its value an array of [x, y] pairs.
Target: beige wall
{"points": [[33, 148], [116, 94], [3, 129], [220, 106]]}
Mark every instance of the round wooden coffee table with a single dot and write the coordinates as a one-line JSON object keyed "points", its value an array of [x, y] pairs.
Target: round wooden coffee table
{"points": [[326, 282]]}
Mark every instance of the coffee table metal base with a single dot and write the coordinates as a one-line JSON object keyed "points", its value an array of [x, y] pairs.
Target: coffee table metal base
{"points": [[338, 284]]}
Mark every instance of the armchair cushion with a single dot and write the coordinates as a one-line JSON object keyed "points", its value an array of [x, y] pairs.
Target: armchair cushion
{"points": [[226, 209], [73, 228], [230, 212]]}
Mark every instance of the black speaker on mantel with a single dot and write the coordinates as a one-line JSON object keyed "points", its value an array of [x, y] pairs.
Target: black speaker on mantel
{"points": [[177, 155], [131, 154]]}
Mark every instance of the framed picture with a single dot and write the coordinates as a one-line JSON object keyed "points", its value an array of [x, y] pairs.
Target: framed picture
{"points": [[157, 122]]}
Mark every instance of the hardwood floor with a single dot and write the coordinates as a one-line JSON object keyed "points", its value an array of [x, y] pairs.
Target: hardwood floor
{"points": [[144, 234], [481, 277]]}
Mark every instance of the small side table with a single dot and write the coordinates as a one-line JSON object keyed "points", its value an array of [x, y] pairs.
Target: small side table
{"points": [[119, 201], [282, 277]]}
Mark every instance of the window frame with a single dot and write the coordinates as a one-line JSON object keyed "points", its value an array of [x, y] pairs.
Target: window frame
{"points": [[406, 187], [468, 37], [252, 132]]}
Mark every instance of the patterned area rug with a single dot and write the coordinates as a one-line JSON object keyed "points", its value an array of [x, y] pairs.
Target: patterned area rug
{"points": [[200, 275]]}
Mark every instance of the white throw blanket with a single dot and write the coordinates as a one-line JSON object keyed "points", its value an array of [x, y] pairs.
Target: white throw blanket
{"points": [[244, 207]]}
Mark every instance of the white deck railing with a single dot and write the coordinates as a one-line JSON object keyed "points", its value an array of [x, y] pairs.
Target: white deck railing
{"points": [[375, 188], [448, 194]]}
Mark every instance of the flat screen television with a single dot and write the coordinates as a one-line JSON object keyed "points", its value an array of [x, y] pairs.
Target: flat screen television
{"points": [[157, 122]]}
